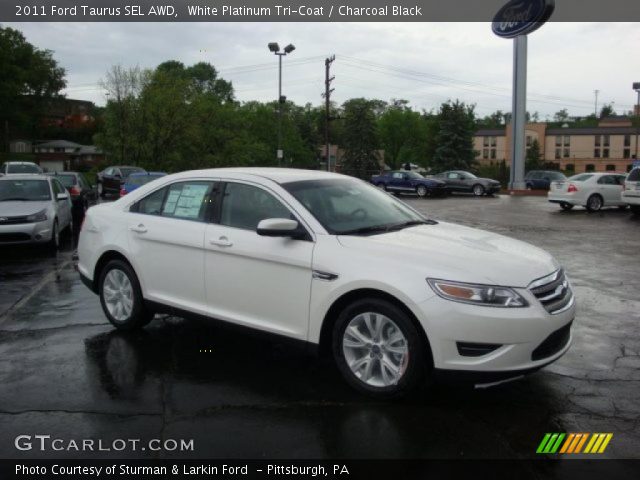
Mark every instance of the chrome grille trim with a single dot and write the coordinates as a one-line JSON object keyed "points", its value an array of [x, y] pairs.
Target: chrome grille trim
{"points": [[553, 292]]}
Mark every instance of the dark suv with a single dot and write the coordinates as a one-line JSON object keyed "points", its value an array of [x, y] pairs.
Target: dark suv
{"points": [[541, 179], [111, 179], [82, 193]]}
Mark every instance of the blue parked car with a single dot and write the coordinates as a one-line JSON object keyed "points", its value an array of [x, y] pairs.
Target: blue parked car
{"points": [[541, 179], [138, 179], [405, 181]]}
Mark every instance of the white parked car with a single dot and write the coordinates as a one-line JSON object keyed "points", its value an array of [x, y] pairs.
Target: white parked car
{"points": [[334, 262], [631, 193], [590, 190], [19, 168], [33, 209]]}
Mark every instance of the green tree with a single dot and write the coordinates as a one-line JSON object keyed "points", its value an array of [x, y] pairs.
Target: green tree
{"points": [[360, 138], [607, 110], [533, 158], [403, 135], [30, 77], [454, 140], [561, 116]]}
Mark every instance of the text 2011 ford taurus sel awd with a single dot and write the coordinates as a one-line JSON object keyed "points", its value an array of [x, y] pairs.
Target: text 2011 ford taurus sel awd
{"points": [[335, 262]]}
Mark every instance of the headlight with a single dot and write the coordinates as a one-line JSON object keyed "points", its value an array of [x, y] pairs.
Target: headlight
{"points": [[485, 295], [41, 216]]}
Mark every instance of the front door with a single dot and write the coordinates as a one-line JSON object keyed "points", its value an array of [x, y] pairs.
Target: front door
{"points": [[253, 280]]}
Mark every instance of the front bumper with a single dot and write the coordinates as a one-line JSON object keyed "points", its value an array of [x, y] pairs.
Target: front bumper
{"points": [[22, 233], [522, 339]]}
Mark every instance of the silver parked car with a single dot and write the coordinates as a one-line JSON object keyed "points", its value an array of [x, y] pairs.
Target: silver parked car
{"points": [[17, 168], [33, 209]]}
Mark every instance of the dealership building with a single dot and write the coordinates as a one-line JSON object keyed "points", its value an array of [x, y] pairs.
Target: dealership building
{"points": [[611, 146]]}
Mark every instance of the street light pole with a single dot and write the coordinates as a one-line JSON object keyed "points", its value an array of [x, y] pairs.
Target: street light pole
{"points": [[275, 48], [636, 87]]}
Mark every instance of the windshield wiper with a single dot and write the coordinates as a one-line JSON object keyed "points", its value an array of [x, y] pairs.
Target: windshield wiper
{"points": [[386, 228]]}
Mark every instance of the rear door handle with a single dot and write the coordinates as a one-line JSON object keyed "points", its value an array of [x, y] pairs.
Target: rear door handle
{"points": [[221, 242], [140, 228]]}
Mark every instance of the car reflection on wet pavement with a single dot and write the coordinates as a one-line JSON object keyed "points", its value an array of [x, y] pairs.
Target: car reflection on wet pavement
{"points": [[66, 372]]}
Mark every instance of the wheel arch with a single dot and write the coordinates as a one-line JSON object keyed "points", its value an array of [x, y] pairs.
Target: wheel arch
{"points": [[105, 258], [345, 299]]}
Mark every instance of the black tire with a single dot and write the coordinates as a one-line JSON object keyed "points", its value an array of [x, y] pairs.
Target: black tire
{"points": [[418, 357], [566, 206], [140, 315], [635, 209], [595, 203], [478, 190], [54, 243], [529, 186], [422, 191]]}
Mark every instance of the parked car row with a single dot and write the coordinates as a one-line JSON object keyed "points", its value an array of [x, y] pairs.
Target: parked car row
{"points": [[404, 181]]}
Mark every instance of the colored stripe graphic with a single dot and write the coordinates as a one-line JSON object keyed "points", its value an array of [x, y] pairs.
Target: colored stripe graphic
{"points": [[573, 443]]}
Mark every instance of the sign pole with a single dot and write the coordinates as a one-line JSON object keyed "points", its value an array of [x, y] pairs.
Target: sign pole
{"points": [[519, 113]]}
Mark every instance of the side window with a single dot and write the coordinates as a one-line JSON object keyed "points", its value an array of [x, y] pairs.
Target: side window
{"points": [[244, 206], [187, 200], [398, 175], [57, 188], [151, 204], [606, 180], [452, 175], [84, 184], [109, 171]]}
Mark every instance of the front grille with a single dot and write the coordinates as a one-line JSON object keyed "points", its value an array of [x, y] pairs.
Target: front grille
{"points": [[553, 343], [14, 237], [13, 220], [467, 349], [553, 292]]}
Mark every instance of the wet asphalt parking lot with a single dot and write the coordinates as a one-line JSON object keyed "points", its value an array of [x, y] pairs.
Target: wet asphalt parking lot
{"points": [[64, 371]]}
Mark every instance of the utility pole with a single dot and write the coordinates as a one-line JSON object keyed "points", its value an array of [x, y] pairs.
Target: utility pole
{"points": [[596, 111], [327, 99]]}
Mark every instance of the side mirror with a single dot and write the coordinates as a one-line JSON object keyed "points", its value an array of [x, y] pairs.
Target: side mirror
{"points": [[62, 196], [278, 227]]}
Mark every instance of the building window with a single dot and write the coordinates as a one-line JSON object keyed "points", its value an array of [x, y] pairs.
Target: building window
{"points": [[566, 153], [485, 142], [567, 140], [493, 153], [558, 141], [558, 153], [626, 153], [611, 168], [596, 152], [590, 168], [606, 140], [570, 167], [605, 153], [485, 153], [597, 137], [627, 140]]}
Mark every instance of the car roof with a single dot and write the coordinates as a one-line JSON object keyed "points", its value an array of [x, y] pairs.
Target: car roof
{"points": [[19, 162], [26, 176], [278, 175], [144, 174]]}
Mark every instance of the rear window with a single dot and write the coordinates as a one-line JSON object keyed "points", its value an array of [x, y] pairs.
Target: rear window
{"points": [[22, 168], [67, 180], [581, 178], [556, 176], [129, 170], [634, 175]]}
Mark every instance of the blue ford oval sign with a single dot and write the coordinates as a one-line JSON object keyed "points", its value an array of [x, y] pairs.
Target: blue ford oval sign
{"points": [[519, 17]]}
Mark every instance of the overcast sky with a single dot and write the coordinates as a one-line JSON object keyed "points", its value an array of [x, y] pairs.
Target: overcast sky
{"points": [[425, 63]]}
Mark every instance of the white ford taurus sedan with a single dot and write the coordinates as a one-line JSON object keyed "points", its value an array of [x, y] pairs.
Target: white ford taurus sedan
{"points": [[336, 263]]}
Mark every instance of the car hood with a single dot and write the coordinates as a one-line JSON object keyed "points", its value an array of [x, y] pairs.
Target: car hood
{"points": [[455, 252], [486, 180], [22, 208]]}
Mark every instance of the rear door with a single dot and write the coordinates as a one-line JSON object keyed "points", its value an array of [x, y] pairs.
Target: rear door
{"points": [[166, 239], [610, 189], [456, 182]]}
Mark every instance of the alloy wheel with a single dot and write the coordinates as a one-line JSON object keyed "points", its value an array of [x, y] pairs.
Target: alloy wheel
{"points": [[478, 190], [118, 294], [422, 191], [595, 203], [375, 349]]}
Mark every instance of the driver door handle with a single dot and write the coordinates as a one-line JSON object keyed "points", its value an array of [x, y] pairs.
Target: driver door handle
{"points": [[140, 228], [221, 242]]}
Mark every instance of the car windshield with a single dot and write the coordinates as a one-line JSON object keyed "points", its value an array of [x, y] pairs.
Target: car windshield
{"points": [[67, 180], [142, 179], [581, 178], [556, 176], [348, 206], [22, 168], [126, 171], [25, 190]]}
